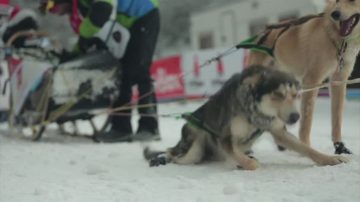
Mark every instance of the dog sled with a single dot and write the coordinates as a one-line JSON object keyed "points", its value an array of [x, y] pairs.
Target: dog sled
{"points": [[44, 90]]}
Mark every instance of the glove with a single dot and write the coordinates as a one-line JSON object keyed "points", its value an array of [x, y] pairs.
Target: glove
{"points": [[89, 44]]}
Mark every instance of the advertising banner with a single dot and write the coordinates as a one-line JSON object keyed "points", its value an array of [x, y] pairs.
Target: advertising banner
{"points": [[169, 83]]}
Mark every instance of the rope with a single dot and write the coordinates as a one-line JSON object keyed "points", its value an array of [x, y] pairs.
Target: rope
{"points": [[172, 115], [115, 111], [332, 83], [247, 44], [64, 108]]}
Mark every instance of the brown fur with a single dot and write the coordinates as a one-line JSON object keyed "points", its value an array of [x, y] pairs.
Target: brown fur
{"points": [[309, 52]]}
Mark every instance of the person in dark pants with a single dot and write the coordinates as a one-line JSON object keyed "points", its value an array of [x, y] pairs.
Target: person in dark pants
{"points": [[136, 71], [142, 19]]}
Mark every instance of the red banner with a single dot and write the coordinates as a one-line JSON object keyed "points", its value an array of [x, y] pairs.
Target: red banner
{"points": [[167, 73]]}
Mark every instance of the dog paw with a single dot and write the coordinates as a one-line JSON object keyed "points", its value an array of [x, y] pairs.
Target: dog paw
{"points": [[341, 149], [157, 161], [250, 164], [334, 160]]}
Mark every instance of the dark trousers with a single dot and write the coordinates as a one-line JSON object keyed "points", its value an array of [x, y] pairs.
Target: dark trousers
{"points": [[136, 65]]}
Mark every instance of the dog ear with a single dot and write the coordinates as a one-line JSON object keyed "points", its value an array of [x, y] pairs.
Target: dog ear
{"points": [[244, 92], [263, 85], [330, 1], [253, 81]]}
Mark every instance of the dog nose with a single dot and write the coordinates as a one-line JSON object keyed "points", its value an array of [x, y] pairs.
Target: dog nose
{"points": [[336, 15], [293, 118]]}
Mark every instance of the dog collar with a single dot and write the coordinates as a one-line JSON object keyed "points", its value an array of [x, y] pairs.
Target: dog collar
{"points": [[340, 49]]}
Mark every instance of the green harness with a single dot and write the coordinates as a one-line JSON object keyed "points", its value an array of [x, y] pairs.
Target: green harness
{"points": [[251, 44], [255, 43], [192, 120]]}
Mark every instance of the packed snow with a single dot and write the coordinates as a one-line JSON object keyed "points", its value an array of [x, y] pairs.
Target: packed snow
{"points": [[61, 168]]}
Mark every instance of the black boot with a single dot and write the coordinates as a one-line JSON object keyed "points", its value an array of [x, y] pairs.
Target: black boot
{"points": [[341, 149], [147, 135], [3, 116], [120, 131], [113, 136]]}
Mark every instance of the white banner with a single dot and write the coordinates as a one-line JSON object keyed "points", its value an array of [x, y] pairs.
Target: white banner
{"points": [[208, 79], [25, 75]]}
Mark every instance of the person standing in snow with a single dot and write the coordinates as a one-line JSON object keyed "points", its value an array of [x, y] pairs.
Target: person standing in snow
{"points": [[141, 18]]}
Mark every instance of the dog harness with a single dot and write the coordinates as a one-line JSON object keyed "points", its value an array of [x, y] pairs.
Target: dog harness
{"points": [[198, 123], [256, 43]]}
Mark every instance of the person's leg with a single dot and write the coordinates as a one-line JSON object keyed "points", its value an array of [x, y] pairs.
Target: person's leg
{"points": [[146, 30], [121, 120], [136, 65], [148, 121], [4, 114], [121, 129]]}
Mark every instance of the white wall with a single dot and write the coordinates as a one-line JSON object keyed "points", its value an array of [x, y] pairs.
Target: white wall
{"points": [[215, 20]]}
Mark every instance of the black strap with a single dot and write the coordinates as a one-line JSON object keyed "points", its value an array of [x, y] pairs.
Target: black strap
{"points": [[258, 46], [198, 123], [5, 85], [251, 44]]}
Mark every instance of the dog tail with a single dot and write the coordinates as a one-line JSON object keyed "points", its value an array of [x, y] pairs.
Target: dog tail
{"points": [[155, 158]]}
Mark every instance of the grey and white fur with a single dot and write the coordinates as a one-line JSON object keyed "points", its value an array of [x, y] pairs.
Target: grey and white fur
{"points": [[225, 127]]}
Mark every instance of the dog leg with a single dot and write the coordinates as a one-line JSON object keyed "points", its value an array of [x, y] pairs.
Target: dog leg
{"points": [[193, 155], [338, 94], [243, 160], [179, 154], [284, 138], [190, 149], [307, 109]]}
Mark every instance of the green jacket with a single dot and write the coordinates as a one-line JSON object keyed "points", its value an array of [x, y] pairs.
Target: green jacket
{"points": [[97, 12]]}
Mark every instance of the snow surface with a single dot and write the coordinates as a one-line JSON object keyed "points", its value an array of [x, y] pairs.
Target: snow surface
{"points": [[63, 168]]}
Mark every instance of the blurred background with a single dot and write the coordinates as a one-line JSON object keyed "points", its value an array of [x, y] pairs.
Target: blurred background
{"points": [[192, 32], [201, 24]]}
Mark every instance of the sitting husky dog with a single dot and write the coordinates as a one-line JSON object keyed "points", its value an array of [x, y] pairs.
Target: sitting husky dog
{"points": [[257, 100]]}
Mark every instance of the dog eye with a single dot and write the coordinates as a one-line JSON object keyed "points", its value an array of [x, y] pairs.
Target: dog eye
{"points": [[352, 0]]}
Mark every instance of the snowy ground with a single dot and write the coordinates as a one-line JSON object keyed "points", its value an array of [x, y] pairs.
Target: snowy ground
{"points": [[59, 169]]}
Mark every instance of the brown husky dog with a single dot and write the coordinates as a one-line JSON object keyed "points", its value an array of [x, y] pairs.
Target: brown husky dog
{"points": [[313, 49], [257, 100]]}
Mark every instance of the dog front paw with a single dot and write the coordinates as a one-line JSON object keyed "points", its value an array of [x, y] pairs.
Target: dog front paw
{"points": [[333, 160], [341, 149], [251, 164]]}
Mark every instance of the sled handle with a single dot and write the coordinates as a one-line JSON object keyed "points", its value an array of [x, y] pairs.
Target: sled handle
{"points": [[24, 33]]}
